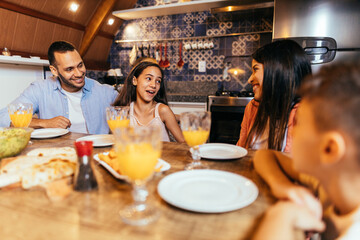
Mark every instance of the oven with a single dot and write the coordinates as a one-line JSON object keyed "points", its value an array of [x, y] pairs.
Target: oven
{"points": [[227, 112]]}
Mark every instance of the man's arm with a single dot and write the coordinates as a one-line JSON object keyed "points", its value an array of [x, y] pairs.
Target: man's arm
{"points": [[56, 122], [277, 171]]}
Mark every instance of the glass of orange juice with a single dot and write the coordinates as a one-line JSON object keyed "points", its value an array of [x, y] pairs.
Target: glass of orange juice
{"points": [[195, 127], [117, 116], [138, 150], [20, 114]]}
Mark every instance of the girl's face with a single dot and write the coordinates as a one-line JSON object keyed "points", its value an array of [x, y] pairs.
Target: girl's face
{"points": [[148, 83], [256, 78]]}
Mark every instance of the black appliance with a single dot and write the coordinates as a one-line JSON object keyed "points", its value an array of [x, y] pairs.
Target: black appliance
{"points": [[227, 111]]}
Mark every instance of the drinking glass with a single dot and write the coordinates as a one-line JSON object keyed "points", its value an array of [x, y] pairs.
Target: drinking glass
{"points": [[20, 114], [117, 117], [138, 150], [195, 127]]}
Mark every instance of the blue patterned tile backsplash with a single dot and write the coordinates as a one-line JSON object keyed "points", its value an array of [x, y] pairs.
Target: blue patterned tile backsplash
{"points": [[197, 30]]}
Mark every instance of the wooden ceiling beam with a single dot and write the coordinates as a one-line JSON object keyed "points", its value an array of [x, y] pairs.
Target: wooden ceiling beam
{"points": [[94, 25], [47, 17]]}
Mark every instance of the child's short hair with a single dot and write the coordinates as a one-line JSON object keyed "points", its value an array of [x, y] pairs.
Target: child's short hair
{"points": [[334, 95]]}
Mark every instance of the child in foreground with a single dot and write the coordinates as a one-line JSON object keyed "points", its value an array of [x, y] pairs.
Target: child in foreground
{"points": [[325, 159], [144, 91]]}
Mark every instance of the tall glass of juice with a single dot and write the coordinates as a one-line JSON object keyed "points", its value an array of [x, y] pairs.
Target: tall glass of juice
{"points": [[20, 114], [195, 127], [138, 150], [117, 116]]}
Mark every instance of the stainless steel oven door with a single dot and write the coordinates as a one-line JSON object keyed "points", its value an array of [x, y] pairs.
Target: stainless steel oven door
{"points": [[225, 123]]}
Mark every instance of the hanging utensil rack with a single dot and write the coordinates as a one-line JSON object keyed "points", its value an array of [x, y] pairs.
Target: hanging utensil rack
{"points": [[191, 38]]}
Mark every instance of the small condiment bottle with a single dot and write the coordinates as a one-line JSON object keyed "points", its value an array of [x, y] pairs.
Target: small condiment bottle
{"points": [[6, 52], [84, 179]]}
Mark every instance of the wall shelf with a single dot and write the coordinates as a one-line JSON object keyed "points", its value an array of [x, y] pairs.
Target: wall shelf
{"points": [[186, 7], [191, 38], [23, 61]]}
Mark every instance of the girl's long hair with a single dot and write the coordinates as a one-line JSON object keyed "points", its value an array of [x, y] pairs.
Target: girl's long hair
{"points": [[128, 91], [285, 65]]}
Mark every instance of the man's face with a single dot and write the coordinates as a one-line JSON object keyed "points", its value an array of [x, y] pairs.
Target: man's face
{"points": [[306, 142], [70, 69]]}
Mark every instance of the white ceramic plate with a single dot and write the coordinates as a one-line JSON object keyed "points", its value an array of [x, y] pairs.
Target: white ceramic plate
{"points": [[99, 140], [207, 191], [48, 132], [35, 57], [221, 151], [163, 165]]}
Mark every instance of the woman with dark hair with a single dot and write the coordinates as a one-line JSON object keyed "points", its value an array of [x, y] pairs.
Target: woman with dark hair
{"points": [[278, 69], [144, 92]]}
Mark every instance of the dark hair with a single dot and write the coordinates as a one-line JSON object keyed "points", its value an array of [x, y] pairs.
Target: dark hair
{"points": [[58, 46], [285, 65], [334, 97], [128, 92]]}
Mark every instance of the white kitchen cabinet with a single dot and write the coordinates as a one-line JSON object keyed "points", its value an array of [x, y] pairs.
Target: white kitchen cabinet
{"points": [[16, 74]]}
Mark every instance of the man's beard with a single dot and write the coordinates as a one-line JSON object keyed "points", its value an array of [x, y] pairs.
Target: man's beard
{"points": [[68, 82]]}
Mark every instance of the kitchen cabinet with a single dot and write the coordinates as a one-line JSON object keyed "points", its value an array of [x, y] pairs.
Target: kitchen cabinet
{"points": [[190, 6], [16, 73]]}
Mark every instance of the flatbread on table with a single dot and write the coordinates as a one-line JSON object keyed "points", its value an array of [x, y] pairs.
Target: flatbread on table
{"points": [[39, 166]]}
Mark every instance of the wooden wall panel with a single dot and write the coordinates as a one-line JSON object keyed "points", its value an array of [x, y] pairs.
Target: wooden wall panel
{"points": [[97, 55], [43, 37], [99, 49], [65, 33], [7, 26], [33, 4], [24, 33]]}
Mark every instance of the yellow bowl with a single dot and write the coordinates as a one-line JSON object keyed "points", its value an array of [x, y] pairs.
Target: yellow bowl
{"points": [[13, 140]]}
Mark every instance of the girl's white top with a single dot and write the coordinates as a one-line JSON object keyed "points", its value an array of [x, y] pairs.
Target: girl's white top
{"points": [[156, 121]]}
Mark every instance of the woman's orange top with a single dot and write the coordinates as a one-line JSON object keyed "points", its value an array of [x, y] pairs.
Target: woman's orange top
{"points": [[249, 118]]}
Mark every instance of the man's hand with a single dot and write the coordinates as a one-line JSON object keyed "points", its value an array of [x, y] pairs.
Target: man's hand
{"points": [[56, 122], [299, 216], [284, 218], [302, 196]]}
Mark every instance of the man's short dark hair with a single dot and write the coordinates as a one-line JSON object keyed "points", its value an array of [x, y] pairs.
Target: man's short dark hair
{"points": [[58, 46]]}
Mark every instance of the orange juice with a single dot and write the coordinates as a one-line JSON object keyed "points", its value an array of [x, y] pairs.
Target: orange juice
{"points": [[116, 123], [197, 137], [21, 119], [137, 160]]}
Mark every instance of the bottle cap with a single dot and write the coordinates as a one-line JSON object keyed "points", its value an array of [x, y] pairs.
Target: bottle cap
{"points": [[84, 148]]}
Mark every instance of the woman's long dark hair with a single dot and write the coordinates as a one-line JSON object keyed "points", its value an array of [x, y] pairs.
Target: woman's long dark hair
{"points": [[128, 91], [285, 66]]}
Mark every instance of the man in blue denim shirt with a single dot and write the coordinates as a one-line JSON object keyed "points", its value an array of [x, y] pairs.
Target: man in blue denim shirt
{"points": [[71, 100]]}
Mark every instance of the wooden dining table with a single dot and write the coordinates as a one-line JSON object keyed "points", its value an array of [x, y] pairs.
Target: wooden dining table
{"points": [[32, 215]]}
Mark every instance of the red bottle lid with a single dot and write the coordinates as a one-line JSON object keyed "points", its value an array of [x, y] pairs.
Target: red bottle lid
{"points": [[84, 148]]}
